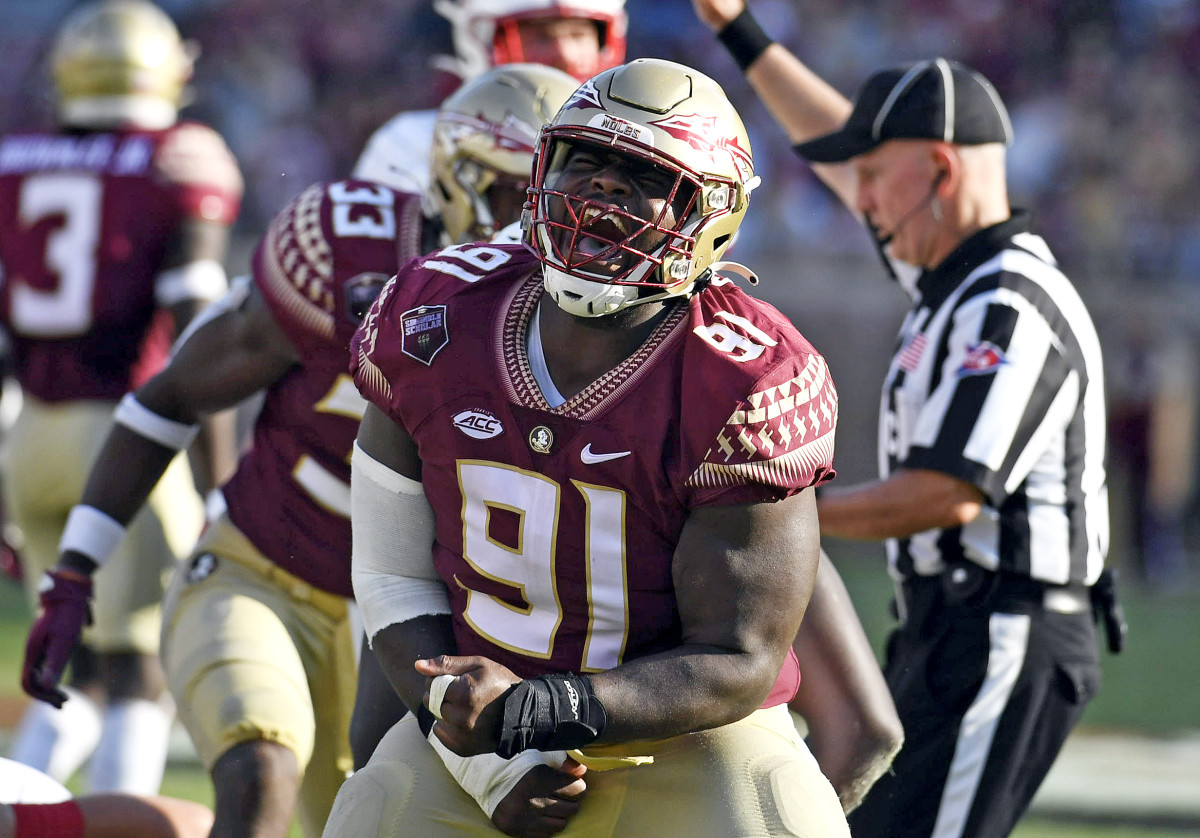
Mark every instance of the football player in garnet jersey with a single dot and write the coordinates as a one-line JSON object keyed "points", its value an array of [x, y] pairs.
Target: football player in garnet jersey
{"points": [[583, 510], [113, 229], [256, 639]]}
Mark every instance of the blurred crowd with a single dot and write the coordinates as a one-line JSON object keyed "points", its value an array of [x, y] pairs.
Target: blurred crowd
{"points": [[1101, 93]]}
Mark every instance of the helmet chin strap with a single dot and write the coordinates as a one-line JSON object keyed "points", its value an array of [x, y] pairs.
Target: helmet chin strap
{"points": [[585, 298]]}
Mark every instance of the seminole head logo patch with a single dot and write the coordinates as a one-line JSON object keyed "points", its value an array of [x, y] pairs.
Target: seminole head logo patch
{"points": [[424, 333]]}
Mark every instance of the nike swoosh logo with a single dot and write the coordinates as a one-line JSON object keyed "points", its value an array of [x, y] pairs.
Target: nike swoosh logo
{"points": [[591, 459]]}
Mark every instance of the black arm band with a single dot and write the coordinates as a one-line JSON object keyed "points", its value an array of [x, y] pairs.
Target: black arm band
{"points": [[745, 39], [550, 713]]}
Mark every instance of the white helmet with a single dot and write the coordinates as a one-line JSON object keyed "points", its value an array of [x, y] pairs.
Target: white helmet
{"points": [[679, 121], [485, 31], [120, 63]]}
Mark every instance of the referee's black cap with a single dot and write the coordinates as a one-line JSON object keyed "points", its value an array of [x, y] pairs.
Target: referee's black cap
{"points": [[938, 99]]}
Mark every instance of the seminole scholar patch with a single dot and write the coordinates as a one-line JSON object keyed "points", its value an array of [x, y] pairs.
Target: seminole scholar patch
{"points": [[423, 332]]}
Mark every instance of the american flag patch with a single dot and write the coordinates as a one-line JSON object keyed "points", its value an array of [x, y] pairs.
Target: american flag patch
{"points": [[910, 355]]}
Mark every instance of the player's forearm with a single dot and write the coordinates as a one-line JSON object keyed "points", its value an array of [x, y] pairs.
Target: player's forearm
{"points": [[854, 730], [122, 477], [124, 473], [908, 502], [398, 646], [214, 455], [688, 689], [150, 428], [853, 762]]}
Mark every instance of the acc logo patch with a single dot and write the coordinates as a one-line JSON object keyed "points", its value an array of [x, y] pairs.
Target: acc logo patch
{"points": [[424, 333], [478, 424], [202, 567], [982, 358]]}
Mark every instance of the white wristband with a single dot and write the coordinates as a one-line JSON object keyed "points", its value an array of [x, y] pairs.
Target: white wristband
{"points": [[489, 777], [145, 422], [92, 533]]}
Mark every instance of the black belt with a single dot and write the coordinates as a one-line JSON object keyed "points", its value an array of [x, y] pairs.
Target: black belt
{"points": [[968, 585]]}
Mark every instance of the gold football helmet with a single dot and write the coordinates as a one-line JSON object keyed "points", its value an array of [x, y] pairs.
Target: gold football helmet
{"points": [[483, 142], [679, 126], [120, 63]]}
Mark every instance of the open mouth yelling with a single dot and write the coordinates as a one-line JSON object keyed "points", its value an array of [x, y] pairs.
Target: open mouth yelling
{"points": [[599, 238]]}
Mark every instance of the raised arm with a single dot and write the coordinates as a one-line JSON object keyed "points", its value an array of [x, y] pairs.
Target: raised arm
{"points": [[853, 728], [803, 103]]}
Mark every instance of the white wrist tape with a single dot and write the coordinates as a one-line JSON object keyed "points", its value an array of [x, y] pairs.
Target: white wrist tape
{"points": [[92, 533], [437, 694], [392, 555], [203, 279], [489, 777], [145, 422]]}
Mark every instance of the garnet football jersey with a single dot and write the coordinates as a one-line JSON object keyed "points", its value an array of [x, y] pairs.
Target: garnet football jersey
{"points": [[85, 221], [320, 265], [556, 526]]}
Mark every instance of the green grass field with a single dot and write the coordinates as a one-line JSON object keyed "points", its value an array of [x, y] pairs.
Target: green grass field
{"points": [[1147, 688], [191, 783]]}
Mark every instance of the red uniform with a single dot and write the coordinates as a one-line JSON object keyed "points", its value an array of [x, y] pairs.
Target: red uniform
{"points": [[85, 222], [291, 493], [556, 527]]}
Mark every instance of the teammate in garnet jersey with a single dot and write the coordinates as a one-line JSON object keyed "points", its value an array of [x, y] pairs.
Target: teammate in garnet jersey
{"points": [[256, 641], [112, 232], [583, 513]]}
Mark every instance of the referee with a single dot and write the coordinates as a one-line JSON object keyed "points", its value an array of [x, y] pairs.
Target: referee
{"points": [[992, 496]]}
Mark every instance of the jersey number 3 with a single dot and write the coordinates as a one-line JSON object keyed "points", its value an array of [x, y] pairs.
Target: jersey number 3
{"points": [[70, 254]]}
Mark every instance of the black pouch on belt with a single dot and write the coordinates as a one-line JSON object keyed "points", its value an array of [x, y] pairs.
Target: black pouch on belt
{"points": [[966, 584], [1107, 609]]}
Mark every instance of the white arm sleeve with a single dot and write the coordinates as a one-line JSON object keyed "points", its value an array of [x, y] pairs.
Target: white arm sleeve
{"points": [[392, 556], [488, 777]]}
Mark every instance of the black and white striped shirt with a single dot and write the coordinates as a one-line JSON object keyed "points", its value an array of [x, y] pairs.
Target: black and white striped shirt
{"points": [[997, 379]]}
